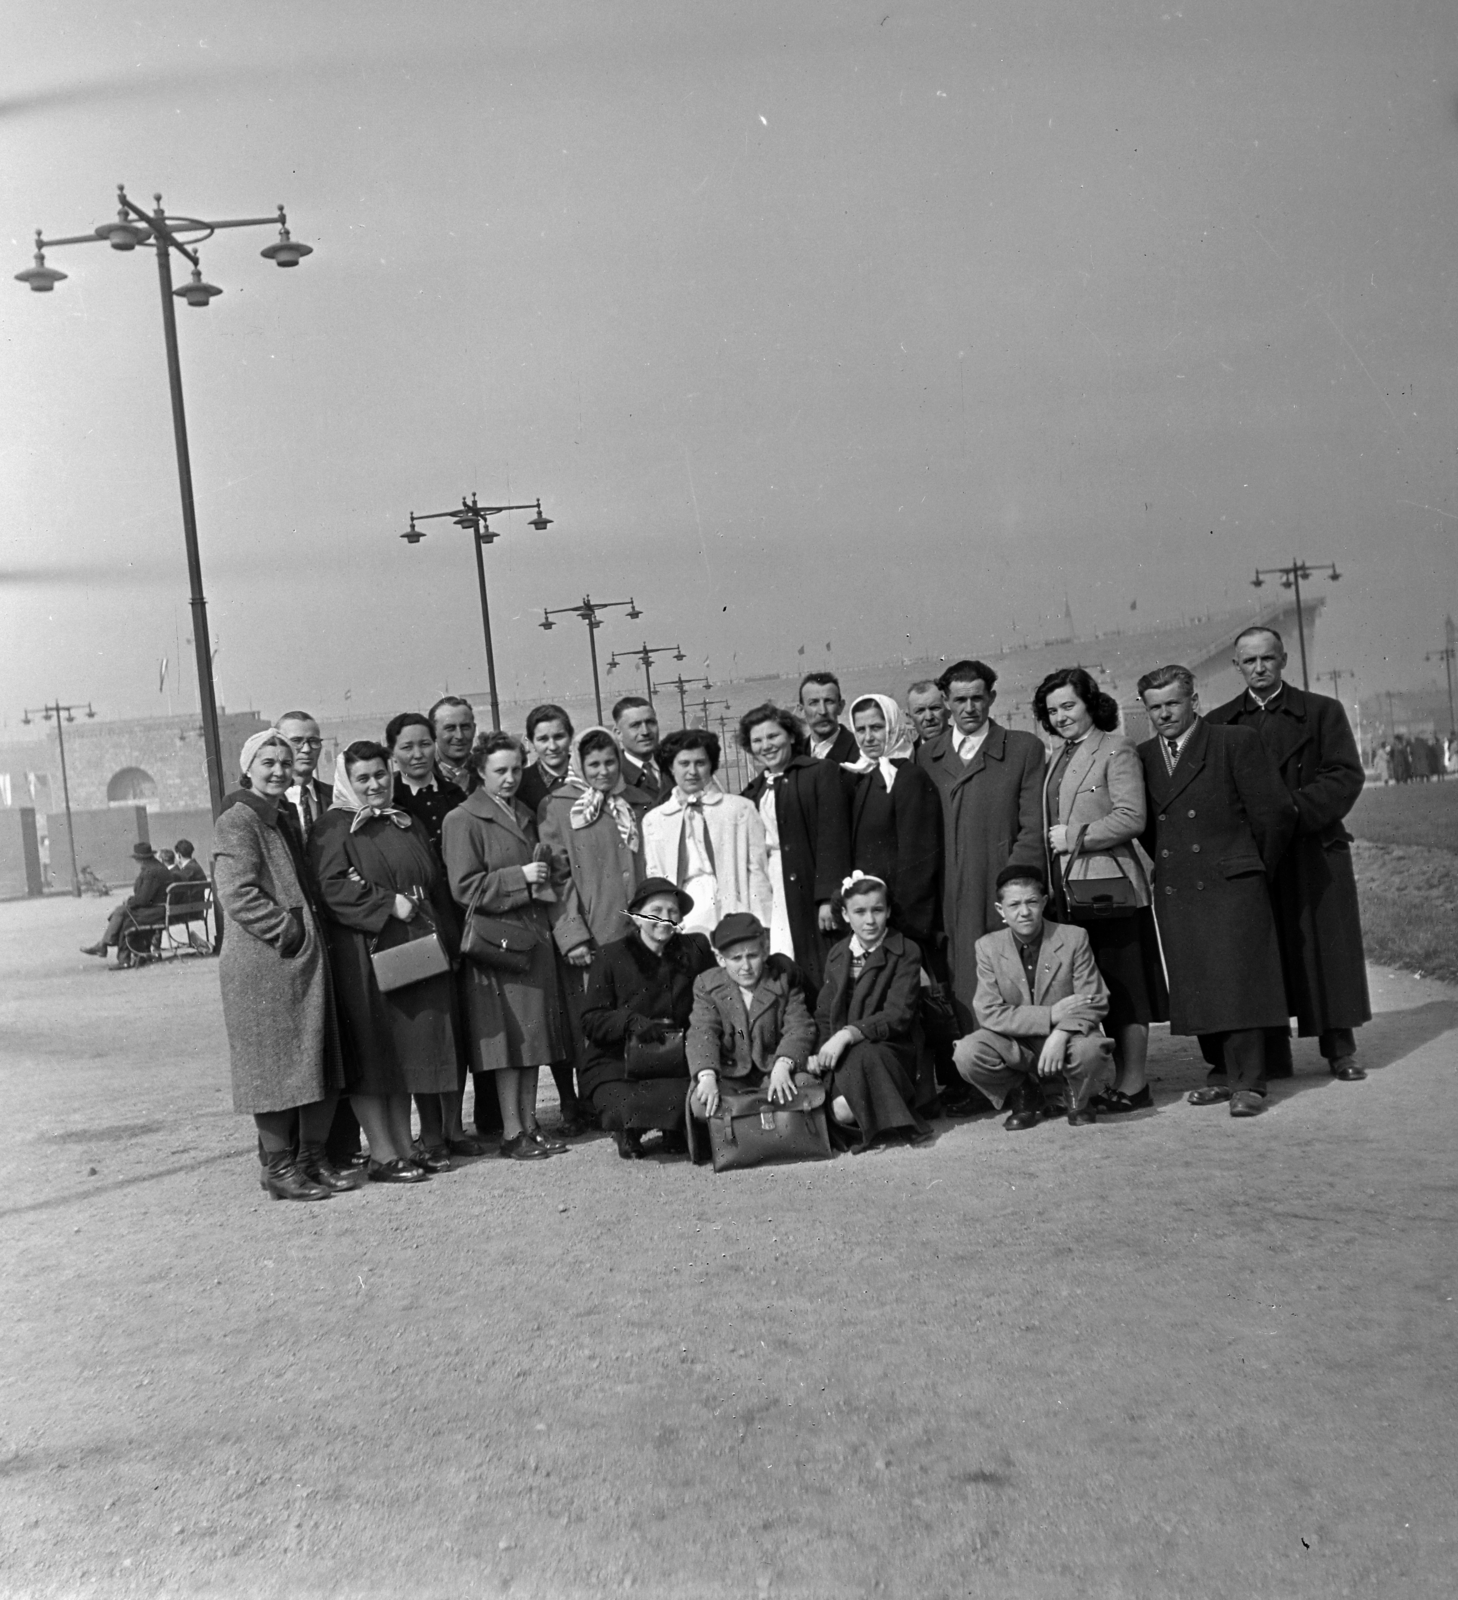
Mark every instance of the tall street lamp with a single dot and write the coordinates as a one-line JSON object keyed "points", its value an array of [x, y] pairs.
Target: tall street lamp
{"points": [[645, 658], [470, 514], [683, 684], [166, 233], [63, 714], [1292, 577], [1445, 655], [588, 611]]}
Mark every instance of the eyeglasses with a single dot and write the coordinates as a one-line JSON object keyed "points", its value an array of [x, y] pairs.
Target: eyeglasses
{"points": [[307, 744]]}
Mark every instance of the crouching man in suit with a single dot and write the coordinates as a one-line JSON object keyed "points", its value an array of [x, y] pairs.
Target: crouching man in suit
{"points": [[1039, 1002], [750, 1021]]}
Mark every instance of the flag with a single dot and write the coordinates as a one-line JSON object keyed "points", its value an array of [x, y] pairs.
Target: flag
{"points": [[827, 644], [1133, 605], [800, 651], [162, 676]]}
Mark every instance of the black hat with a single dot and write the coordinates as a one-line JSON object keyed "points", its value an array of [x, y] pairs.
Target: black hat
{"points": [[142, 851], [736, 928], [652, 886]]}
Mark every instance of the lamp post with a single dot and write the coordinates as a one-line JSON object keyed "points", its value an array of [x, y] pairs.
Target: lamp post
{"points": [[472, 515], [56, 709], [730, 752], [588, 611], [1292, 577], [1445, 655], [683, 684], [645, 657], [1336, 674], [166, 233]]}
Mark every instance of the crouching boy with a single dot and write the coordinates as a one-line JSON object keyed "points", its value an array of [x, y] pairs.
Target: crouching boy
{"points": [[749, 1021], [1039, 1001]]}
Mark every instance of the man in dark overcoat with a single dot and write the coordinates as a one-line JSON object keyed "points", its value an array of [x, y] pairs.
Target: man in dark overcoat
{"points": [[990, 779], [1219, 821], [148, 892], [1314, 891]]}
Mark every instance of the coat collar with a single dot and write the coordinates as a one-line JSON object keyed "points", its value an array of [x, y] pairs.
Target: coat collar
{"points": [[1164, 785], [1079, 765], [1012, 959], [483, 807], [267, 810]]}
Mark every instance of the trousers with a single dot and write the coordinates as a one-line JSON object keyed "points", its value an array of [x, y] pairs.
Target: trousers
{"points": [[997, 1064]]}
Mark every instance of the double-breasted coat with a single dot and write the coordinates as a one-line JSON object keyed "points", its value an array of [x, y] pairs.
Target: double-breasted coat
{"points": [[593, 870], [404, 1041], [512, 1020], [897, 836], [1314, 890], [1217, 827], [813, 812], [278, 1005], [991, 816]]}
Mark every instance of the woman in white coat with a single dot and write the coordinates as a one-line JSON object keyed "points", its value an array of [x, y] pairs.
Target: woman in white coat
{"points": [[705, 842]]}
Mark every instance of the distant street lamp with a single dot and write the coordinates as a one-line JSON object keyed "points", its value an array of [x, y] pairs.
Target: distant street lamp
{"points": [[683, 684], [1292, 577], [470, 514], [56, 710], [165, 233], [645, 658], [1445, 655], [1336, 674], [588, 611]]}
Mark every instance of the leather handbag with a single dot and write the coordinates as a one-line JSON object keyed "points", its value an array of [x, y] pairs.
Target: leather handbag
{"points": [[1092, 899], [750, 1130], [422, 956], [665, 1058], [495, 942]]}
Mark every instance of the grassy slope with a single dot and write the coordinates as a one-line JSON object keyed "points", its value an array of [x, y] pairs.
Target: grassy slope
{"points": [[1407, 875], [1409, 814]]}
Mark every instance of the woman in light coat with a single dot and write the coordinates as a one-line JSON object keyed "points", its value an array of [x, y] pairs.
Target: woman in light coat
{"points": [[278, 1006], [705, 842], [516, 1022], [1094, 804]]}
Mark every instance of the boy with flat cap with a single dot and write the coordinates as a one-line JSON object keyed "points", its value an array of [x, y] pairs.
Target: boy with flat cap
{"points": [[749, 1021]]}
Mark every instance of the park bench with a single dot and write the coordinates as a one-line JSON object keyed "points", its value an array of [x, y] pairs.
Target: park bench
{"points": [[179, 927]]}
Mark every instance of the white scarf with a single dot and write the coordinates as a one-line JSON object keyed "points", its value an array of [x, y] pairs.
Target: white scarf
{"points": [[900, 738]]}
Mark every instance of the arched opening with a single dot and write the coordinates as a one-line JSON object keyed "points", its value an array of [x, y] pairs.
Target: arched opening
{"points": [[131, 787]]}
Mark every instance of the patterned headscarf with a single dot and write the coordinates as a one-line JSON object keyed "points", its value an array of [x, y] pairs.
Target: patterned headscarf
{"points": [[587, 807], [345, 799], [900, 738]]}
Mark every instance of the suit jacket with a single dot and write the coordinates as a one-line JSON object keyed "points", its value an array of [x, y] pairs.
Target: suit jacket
{"points": [[1006, 1005], [721, 1040], [150, 888], [813, 814], [843, 747], [645, 775], [323, 797], [897, 836], [1314, 890], [1101, 802], [991, 814], [1217, 827], [881, 1003]]}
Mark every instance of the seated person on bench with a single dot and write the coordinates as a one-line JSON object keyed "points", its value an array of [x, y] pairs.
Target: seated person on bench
{"points": [[750, 1021], [1039, 1001], [149, 890], [187, 870]]}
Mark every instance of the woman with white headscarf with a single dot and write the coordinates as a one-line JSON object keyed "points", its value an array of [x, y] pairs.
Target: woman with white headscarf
{"points": [[593, 825], [278, 1006], [381, 883], [896, 817]]}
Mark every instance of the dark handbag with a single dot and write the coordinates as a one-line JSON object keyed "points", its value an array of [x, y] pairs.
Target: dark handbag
{"points": [[750, 1130], [494, 942], [422, 956], [665, 1058], [1092, 899]]}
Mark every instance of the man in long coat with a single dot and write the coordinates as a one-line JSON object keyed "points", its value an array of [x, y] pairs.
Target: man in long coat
{"points": [[990, 779], [1219, 821], [1314, 891]]}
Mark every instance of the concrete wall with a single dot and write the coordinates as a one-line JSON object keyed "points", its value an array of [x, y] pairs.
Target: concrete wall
{"points": [[20, 862], [104, 841]]}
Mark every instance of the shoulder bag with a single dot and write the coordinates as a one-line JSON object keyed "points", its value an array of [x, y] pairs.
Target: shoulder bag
{"points": [[495, 942], [422, 956], [1092, 899], [657, 1058], [750, 1130]]}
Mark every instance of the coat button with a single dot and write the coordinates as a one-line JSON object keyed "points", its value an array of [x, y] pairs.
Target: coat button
{"points": [[1189, 813], [1169, 888], [1160, 818], [1164, 852], [1195, 848]]}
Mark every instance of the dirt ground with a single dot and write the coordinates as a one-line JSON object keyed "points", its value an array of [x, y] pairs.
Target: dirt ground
{"points": [[1169, 1355]]}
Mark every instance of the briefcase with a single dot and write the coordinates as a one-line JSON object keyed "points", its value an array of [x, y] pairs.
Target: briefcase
{"points": [[422, 956], [662, 1058], [750, 1130]]}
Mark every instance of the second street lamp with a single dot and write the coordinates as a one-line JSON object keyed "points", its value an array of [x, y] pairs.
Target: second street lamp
{"points": [[471, 515], [166, 233], [683, 685], [1292, 577], [63, 714], [588, 611]]}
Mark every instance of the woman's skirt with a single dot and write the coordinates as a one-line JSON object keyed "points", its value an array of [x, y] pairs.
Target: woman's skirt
{"points": [[878, 1084], [422, 1036], [653, 1103], [1126, 951]]}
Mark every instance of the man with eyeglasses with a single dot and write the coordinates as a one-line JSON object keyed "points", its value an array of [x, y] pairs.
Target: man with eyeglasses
{"points": [[306, 794]]}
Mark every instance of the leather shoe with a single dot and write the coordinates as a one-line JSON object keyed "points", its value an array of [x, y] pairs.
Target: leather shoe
{"points": [[465, 1146], [549, 1147], [521, 1148], [1347, 1070], [397, 1171], [1246, 1103], [1213, 1094], [434, 1158], [1114, 1102], [1020, 1120], [94, 950], [573, 1125], [630, 1144], [1081, 1118]]}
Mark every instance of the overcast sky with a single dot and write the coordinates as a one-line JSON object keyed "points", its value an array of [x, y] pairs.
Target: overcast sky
{"points": [[857, 323]]}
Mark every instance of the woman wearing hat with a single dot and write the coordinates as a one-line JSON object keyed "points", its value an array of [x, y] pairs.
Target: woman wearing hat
{"points": [[277, 1003], [150, 890], [641, 988]]}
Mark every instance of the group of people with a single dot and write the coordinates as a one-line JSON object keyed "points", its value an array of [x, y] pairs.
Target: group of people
{"points": [[1411, 758], [920, 909], [159, 872]]}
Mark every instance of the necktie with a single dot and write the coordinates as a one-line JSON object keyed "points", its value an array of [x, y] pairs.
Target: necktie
{"points": [[1173, 746], [306, 808]]}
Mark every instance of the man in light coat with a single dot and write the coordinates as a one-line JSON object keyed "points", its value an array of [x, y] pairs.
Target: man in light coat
{"points": [[1040, 999]]}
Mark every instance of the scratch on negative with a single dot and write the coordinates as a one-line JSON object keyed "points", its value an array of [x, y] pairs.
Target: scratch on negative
{"points": [[1363, 365], [1436, 510]]}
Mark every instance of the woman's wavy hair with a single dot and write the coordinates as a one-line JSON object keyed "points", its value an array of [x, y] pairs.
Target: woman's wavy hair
{"points": [[364, 750], [799, 739], [1103, 708], [489, 744], [688, 739], [407, 719]]}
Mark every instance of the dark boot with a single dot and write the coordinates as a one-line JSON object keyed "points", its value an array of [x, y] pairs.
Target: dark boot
{"points": [[285, 1179], [314, 1163], [1024, 1107]]}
